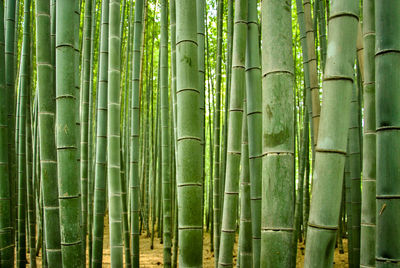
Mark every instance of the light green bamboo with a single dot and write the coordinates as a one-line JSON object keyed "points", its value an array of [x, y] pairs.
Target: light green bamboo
{"points": [[332, 139], [387, 250], [278, 136], [312, 70], [6, 226], [230, 207], [165, 168], [134, 136], [200, 7], [84, 113], [254, 119], [368, 205], [189, 161], [101, 142], [67, 135], [48, 153], [113, 137]]}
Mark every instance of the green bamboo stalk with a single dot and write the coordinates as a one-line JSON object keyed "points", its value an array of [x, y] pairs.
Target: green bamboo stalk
{"points": [[355, 174], [201, 64], [91, 126], [30, 208], [10, 66], [254, 119], [66, 133], [322, 30], [312, 70], [101, 142], [189, 161], [387, 133], [331, 151], [278, 136], [217, 133], [84, 113], [166, 176], [24, 88], [368, 205], [113, 137], [224, 142], [134, 139], [349, 217], [230, 207], [245, 234], [6, 226]]}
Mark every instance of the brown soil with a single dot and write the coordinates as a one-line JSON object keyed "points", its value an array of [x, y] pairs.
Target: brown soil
{"points": [[154, 257]]}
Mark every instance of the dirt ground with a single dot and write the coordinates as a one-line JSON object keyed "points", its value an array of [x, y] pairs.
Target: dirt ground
{"points": [[154, 257]]}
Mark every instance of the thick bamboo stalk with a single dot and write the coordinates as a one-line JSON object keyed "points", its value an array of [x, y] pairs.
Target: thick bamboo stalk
{"points": [[134, 137], [278, 136], [245, 233], [368, 205], [254, 121], [217, 133], [387, 63], [84, 113], [23, 113], [312, 70], [237, 93], [67, 134], [189, 161], [165, 154], [355, 174], [101, 143], [6, 226], [113, 137], [332, 139]]}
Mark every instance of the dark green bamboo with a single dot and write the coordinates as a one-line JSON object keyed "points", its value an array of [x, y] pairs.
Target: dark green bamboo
{"points": [[355, 174], [254, 119], [101, 143], [230, 207], [387, 136], [322, 30], [24, 88], [349, 217], [332, 139], [66, 134], [10, 72], [245, 233], [6, 226], [30, 123], [217, 119], [278, 136], [189, 161], [368, 205]]}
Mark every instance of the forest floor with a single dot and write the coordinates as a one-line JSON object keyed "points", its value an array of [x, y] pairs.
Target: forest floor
{"points": [[154, 257]]}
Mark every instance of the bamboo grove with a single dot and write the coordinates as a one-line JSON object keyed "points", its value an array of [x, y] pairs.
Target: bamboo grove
{"points": [[225, 133]]}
